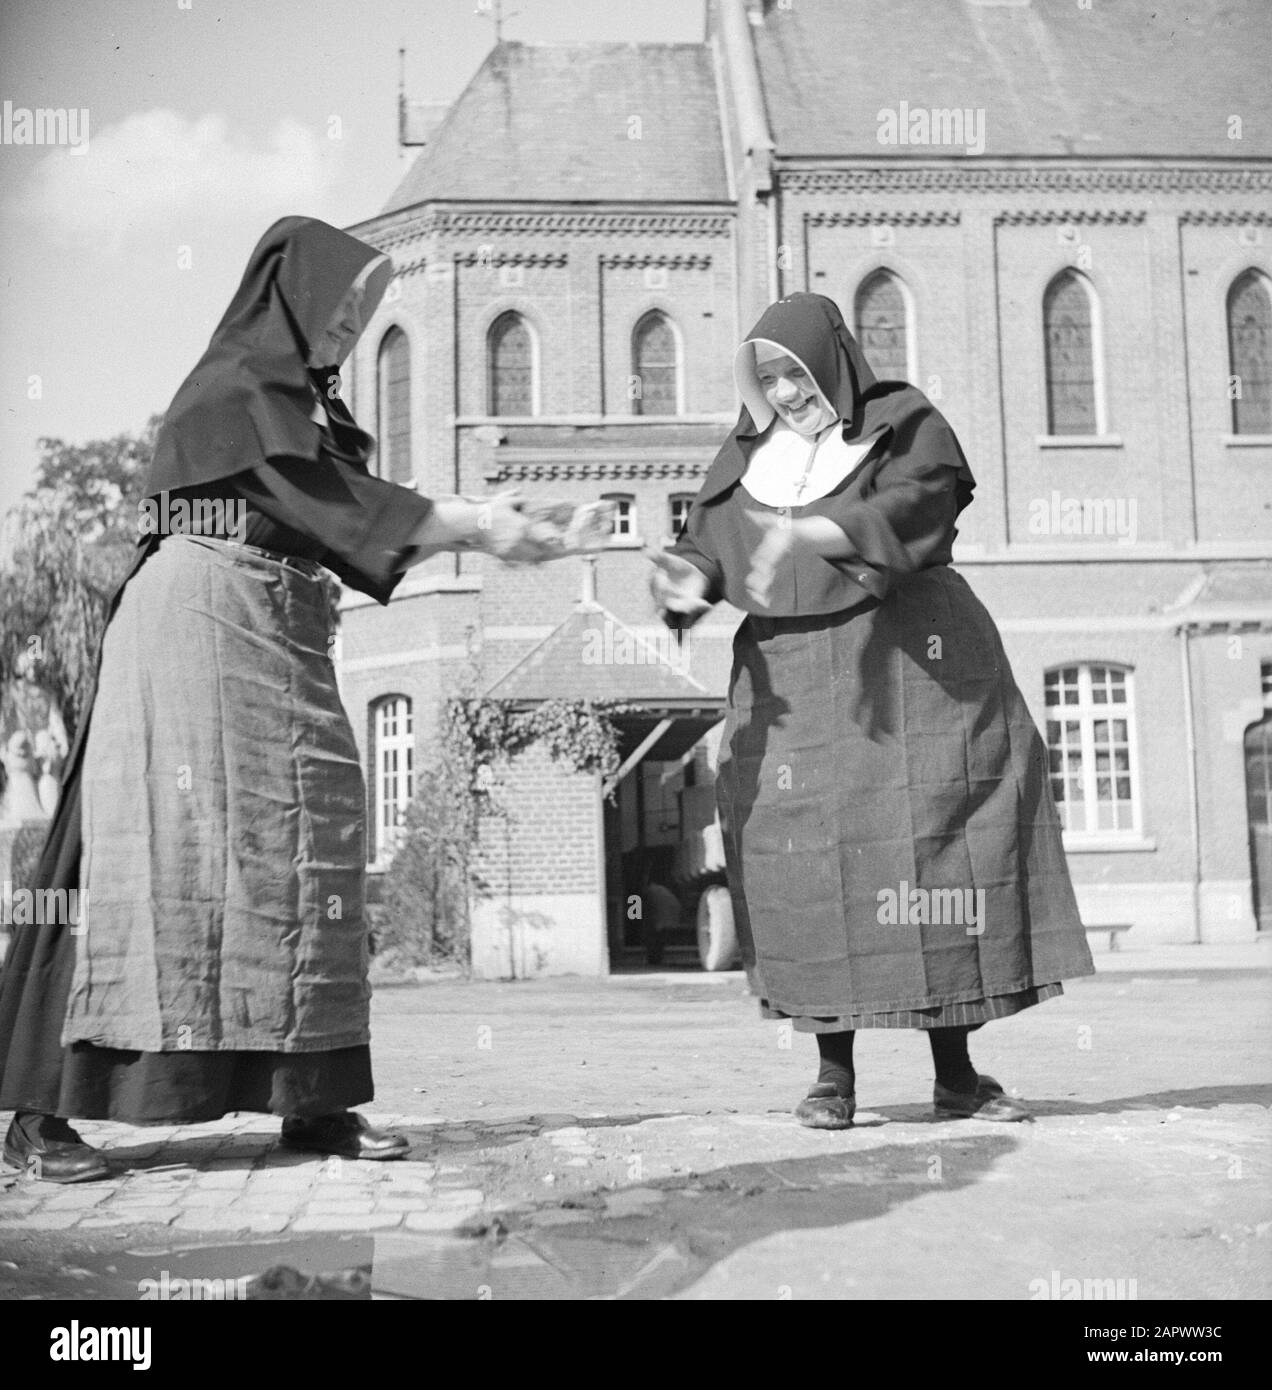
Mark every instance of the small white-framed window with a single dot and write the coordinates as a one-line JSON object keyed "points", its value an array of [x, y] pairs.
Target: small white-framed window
{"points": [[624, 532], [1091, 749], [679, 505], [392, 774]]}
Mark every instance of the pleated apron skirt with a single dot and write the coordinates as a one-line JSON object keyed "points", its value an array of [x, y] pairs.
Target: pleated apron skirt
{"points": [[223, 964], [894, 852]]}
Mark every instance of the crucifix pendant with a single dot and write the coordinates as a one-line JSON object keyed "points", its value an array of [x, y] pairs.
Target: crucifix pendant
{"points": [[808, 468]]}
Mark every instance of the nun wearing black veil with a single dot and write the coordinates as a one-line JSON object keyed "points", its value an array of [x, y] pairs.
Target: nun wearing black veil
{"points": [[213, 808], [894, 854]]}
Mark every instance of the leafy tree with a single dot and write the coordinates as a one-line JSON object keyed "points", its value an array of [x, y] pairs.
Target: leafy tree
{"points": [[422, 918], [63, 550]]}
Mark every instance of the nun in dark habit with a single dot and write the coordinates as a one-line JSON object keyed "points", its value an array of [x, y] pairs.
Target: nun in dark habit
{"points": [[213, 809], [893, 851]]}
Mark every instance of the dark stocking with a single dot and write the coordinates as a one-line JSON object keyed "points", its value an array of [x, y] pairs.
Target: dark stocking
{"points": [[836, 1062], [954, 1068]]}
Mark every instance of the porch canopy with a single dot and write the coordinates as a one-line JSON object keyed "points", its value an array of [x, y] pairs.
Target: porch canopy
{"points": [[594, 656]]}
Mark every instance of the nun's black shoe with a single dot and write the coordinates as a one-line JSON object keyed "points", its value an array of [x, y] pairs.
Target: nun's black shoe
{"points": [[345, 1134], [988, 1102], [824, 1108], [49, 1150]]}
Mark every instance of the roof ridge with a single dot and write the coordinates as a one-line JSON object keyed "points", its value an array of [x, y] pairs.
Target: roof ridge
{"points": [[651, 647], [601, 43], [585, 611]]}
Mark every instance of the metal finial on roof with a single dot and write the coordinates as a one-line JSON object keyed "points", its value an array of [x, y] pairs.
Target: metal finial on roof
{"points": [[493, 9]]}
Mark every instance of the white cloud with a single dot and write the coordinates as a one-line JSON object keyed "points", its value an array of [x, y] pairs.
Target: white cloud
{"points": [[156, 167]]}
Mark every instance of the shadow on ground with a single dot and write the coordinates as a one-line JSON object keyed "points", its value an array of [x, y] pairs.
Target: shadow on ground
{"points": [[642, 1242]]}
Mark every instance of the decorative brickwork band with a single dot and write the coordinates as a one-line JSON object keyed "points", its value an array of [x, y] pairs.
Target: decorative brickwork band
{"points": [[970, 179], [637, 260]]}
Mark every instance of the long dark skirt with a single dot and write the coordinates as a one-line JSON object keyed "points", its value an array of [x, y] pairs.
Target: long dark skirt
{"points": [[207, 930], [893, 849], [102, 1083]]}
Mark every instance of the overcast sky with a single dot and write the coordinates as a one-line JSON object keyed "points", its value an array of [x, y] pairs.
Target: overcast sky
{"points": [[207, 120]]}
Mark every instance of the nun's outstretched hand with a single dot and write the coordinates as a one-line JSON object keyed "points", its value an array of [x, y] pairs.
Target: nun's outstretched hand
{"points": [[679, 588]]}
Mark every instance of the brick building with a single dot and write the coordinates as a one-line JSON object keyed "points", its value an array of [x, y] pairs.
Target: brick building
{"points": [[1071, 255]]}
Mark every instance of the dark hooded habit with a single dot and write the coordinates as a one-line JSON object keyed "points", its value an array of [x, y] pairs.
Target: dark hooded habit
{"points": [[241, 430], [894, 853]]}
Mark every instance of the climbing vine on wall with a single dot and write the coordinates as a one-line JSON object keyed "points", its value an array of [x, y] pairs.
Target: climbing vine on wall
{"points": [[482, 734]]}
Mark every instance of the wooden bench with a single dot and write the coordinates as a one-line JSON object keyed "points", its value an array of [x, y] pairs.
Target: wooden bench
{"points": [[1114, 929]]}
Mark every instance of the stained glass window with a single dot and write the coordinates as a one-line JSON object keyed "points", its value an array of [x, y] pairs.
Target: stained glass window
{"points": [[882, 327], [1250, 363], [655, 367], [1070, 342], [511, 359], [394, 428]]}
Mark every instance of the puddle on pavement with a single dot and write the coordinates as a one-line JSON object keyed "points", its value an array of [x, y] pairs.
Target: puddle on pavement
{"points": [[648, 1241]]}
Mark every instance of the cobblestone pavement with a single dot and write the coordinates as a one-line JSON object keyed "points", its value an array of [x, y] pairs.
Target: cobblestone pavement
{"points": [[673, 1167]]}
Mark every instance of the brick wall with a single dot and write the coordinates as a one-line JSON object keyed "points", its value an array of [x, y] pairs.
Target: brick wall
{"points": [[547, 844]]}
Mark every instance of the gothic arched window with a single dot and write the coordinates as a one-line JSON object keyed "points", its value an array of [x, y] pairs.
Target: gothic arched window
{"points": [[881, 315], [393, 427], [510, 359], [655, 367], [1250, 353], [1068, 317]]}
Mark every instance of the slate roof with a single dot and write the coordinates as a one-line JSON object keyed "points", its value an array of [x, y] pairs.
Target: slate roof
{"points": [[1228, 584], [565, 666], [551, 123], [1122, 78]]}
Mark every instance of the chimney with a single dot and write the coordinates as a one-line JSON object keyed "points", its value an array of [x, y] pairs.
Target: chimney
{"points": [[587, 592]]}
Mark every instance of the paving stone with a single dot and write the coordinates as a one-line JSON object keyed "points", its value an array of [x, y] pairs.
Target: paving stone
{"points": [[461, 1196], [267, 1223], [210, 1221], [11, 1212], [51, 1220], [210, 1199], [223, 1179], [77, 1198], [141, 1216], [365, 1222], [433, 1220]]}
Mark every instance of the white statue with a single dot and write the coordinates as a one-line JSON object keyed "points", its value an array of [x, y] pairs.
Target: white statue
{"points": [[21, 794], [34, 743]]}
